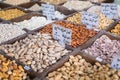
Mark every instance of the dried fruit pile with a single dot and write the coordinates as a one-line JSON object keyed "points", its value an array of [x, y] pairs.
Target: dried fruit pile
{"points": [[104, 48], [11, 13], [80, 34], [78, 69], [37, 51], [9, 70], [116, 30]]}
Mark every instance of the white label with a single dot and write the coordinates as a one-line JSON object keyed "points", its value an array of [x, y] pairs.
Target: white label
{"points": [[90, 20], [99, 59], [116, 62], [49, 11], [110, 10], [26, 67], [63, 35]]}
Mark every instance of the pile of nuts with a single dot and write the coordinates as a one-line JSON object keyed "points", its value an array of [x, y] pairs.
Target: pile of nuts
{"points": [[11, 13], [33, 23], [104, 48], [54, 1], [9, 70], [80, 34], [77, 5], [116, 29], [9, 31], [35, 7], [37, 51], [103, 20], [76, 18], [78, 69], [16, 2]]}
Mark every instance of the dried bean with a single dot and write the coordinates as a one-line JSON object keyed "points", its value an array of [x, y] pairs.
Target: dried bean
{"points": [[11, 13], [9, 31], [77, 5], [81, 70], [33, 23], [32, 54], [116, 30], [104, 48], [103, 20], [16, 2], [54, 1]]}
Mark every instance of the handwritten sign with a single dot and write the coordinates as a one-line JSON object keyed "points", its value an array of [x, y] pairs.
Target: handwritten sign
{"points": [[110, 10], [89, 19], [116, 62], [63, 35], [49, 11]]}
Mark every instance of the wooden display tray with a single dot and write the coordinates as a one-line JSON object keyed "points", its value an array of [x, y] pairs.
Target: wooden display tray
{"points": [[30, 72], [21, 37], [55, 4], [27, 17], [90, 42], [112, 26], [85, 9], [59, 64], [14, 7], [61, 9], [69, 46], [107, 28], [30, 4]]}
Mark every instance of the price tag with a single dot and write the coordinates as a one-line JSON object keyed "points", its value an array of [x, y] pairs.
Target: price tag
{"points": [[49, 11], [63, 35], [26, 67], [116, 62], [99, 59], [90, 20], [110, 10]]}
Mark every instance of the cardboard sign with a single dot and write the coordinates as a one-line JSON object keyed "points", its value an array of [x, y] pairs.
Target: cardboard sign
{"points": [[63, 35], [49, 11], [110, 10], [116, 62], [90, 20]]}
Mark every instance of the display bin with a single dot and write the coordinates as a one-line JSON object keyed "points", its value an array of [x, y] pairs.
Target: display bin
{"points": [[21, 37], [76, 22], [26, 6], [87, 57], [59, 4], [85, 9], [27, 17], [90, 42], [68, 46], [112, 26], [29, 72], [61, 9], [15, 7]]}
